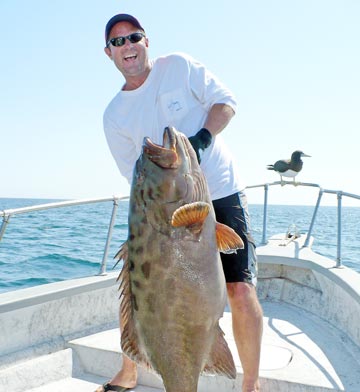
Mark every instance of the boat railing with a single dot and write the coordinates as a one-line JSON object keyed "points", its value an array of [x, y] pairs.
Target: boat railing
{"points": [[7, 214], [322, 191]]}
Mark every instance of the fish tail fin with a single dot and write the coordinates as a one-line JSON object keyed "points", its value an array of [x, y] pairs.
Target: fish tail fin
{"points": [[228, 241], [220, 360]]}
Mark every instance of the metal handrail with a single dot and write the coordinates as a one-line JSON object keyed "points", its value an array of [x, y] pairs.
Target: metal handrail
{"points": [[7, 214], [339, 194]]}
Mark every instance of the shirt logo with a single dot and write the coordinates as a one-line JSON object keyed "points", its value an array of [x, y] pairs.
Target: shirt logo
{"points": [[174, 106]]}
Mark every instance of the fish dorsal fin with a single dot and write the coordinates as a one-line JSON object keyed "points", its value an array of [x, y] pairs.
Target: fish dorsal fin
{"points": [[220, 360], [129, 338], [191, 216], [227, 240], [121, 254]]}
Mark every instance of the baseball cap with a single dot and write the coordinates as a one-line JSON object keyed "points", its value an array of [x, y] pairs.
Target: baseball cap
{"points": [[121, 18]]}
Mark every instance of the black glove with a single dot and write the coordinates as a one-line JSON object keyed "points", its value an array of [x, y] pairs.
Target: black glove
{"points": [[200, 141]]}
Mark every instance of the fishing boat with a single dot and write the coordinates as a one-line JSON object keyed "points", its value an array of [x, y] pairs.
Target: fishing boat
{"points": [[64, 336]]}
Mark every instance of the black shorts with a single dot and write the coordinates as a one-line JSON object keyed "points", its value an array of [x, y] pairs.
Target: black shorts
{"points": [[242, 265]]}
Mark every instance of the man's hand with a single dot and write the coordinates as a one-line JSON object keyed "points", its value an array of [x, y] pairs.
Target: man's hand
{"points": [[200, 141]]}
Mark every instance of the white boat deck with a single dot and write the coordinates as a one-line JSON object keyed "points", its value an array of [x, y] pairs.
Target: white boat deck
{"points": [[300, 352]]}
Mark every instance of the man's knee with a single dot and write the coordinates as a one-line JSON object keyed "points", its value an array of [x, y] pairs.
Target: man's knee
{"points": [[240, 291], [242, 296]]}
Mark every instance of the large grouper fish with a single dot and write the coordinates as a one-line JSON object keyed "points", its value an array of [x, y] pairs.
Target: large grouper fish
{"points": [[172, 284]]}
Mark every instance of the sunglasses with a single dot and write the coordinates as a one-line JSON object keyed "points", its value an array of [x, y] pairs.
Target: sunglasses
{"points": [[120, 41]]}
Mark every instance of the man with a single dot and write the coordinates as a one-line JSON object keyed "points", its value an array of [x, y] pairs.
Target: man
{"points": [[176, 90]]}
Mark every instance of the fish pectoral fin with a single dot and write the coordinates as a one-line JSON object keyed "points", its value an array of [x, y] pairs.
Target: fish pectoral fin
{"points": [[192, 216], [227, 240], [220, 360]]}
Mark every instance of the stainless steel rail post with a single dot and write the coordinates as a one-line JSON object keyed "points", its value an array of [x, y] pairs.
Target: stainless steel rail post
{"points": [[266, 191], [4, 224], [338, 256], [306, 244], [108, 238]]}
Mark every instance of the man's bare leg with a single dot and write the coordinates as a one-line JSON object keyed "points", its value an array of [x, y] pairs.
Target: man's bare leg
{"points": [[126, 377], [247, 319]]}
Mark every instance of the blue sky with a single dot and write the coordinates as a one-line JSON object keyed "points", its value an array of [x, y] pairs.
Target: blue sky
{"points": [[293, 66]]}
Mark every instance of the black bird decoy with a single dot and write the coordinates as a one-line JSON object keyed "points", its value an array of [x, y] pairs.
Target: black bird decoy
{"points": [[289, 167]]}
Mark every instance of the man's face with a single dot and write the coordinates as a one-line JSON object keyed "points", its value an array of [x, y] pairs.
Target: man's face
{"points": [[132, 58]]}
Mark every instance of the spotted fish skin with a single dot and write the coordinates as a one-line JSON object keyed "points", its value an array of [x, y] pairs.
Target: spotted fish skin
{"points": [[172, 282]]}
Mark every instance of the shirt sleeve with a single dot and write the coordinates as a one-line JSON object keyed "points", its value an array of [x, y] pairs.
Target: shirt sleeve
{"points": [[122, 148], [207, 88]]}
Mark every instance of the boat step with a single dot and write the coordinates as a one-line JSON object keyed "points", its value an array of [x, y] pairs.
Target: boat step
{"points": [[87, 383], [27, 374], [55, 372], [100, 354]]}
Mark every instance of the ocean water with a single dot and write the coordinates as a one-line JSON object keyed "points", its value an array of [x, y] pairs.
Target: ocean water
{"points": [[63, 243]]}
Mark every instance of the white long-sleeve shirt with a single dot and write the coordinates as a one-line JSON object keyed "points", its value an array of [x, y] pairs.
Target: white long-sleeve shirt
{"points": [[179, 92]]}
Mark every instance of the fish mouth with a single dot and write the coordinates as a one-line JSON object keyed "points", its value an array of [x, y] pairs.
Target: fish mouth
{"points": [[164, 156]]}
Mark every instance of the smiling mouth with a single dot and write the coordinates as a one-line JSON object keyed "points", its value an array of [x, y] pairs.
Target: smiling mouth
{"points": [[130, 57]]}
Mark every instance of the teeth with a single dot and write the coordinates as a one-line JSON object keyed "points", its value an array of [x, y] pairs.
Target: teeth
{"points": [[131, 56]]}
